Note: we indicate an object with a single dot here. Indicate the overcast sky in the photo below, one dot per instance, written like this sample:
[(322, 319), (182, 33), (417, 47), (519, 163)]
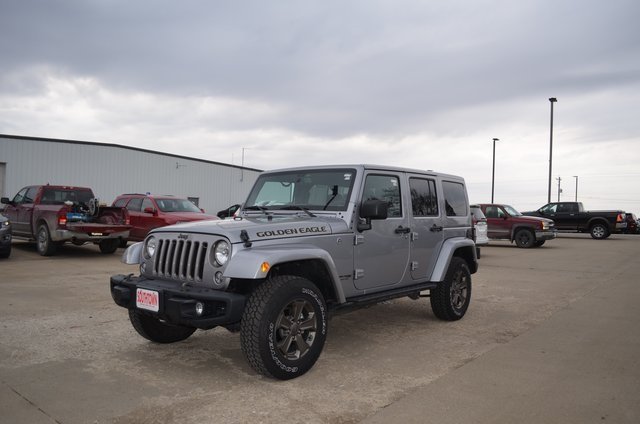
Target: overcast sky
[(424, 84)]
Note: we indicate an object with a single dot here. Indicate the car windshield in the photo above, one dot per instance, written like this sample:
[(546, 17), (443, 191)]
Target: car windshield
[(323, 189), (511, 211), (177, 205)]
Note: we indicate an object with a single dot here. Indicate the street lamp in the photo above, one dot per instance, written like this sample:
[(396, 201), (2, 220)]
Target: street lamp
[(576, 177), (493, 171), (552, 100)]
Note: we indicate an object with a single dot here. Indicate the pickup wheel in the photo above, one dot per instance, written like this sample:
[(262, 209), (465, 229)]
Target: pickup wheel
[(151, 328), (284, 327), (108, 246), (450, 300), (44, 244), (524, 238), (599, 231)]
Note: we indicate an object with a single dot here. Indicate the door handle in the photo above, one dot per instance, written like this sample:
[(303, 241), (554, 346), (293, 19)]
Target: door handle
[(402, 230), (435, 228)]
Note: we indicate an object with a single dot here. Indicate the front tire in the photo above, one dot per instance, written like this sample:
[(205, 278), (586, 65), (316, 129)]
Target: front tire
[(524, 238), (599, 231), (151, 328), (284, 327), (450, 300), (44, 244)]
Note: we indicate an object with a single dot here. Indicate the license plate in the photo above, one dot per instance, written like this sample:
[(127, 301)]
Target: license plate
[(148, 299)]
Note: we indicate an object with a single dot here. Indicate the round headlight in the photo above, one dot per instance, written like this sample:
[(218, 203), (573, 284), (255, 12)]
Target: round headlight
[(150, 246), (221, 252)]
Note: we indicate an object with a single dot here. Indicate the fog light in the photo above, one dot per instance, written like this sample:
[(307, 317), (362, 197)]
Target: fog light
[(218, 278), (199, 308)]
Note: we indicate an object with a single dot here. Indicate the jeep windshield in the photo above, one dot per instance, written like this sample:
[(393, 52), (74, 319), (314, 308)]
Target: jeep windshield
[(317, 190)]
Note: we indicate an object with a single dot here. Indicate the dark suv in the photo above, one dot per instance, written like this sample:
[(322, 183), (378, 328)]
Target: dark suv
[(148, 212)]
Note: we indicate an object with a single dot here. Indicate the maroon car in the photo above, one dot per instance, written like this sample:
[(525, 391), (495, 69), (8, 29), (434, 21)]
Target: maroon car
[(148, 212), (507, 223)]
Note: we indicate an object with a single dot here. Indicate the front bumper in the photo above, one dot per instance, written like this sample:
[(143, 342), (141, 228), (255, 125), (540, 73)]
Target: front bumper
[(177, 303), (546, 235)]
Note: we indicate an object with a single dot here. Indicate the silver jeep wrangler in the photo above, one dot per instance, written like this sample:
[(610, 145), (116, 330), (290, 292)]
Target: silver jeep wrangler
[(307, 243)]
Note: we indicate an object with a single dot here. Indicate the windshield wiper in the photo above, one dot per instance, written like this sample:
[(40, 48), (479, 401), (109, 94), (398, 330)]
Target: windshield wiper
[(298, 208), (257, 208)]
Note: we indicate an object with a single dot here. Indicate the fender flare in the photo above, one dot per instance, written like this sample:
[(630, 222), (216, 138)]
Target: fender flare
[(247, 263), (448, 250)]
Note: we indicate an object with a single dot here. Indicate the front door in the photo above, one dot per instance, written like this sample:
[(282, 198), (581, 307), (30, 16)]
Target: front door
[(498, 225), (381, 254)]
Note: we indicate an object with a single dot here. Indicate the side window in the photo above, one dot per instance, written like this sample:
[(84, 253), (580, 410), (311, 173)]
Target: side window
[(424, 201), (18, 197), (120, 202), (492, 212), (384, 187), (550, 208), (455, 199), (31, 194), (135, 204), (147, 203)]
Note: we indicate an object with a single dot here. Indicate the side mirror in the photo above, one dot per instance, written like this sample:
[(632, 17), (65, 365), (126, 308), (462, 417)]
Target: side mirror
[(5, 200), (372, 209), (151, 211)]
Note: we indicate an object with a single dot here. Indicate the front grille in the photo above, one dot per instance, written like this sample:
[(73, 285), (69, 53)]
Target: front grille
[(180, 259)]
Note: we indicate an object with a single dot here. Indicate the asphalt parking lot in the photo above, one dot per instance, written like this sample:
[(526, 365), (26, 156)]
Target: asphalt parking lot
[(550, 336)]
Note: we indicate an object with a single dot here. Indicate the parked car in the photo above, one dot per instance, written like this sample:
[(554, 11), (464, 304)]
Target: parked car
[(52, 215), (571, 216), (229, 212), (480, 228), (506, 223), (632, 224), (149, 211), (5, 237)]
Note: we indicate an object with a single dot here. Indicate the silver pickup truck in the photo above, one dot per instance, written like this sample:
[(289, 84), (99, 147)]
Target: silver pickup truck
[(308, 242)]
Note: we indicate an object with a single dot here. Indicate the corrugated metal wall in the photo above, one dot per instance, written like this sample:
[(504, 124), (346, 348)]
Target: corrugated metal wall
[(111, 170)]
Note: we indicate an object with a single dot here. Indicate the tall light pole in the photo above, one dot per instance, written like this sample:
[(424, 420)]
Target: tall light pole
[(552, 100), (493, 171), (576, 177)]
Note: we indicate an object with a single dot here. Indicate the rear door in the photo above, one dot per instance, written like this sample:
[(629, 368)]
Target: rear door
[(426, 226), (498, 225), (381, 254)]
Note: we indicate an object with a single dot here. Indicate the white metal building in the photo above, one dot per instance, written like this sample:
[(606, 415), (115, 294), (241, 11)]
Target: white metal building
[(112, 169)]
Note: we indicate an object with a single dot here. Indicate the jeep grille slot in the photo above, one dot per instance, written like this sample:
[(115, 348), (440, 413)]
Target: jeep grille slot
[(180, 260)]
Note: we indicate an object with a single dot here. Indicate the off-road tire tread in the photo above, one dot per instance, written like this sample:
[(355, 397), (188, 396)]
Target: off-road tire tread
[(440, 296)]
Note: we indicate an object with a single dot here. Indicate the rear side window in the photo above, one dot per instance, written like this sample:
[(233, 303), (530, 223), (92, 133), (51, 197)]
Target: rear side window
[(135, 204), (424, 201), (455, 199)]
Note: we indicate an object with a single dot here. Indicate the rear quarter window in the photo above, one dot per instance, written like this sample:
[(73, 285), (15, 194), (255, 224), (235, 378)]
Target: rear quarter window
[(455, 199)]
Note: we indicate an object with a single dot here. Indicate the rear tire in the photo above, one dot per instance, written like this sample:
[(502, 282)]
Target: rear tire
[(284, 327), (151, 328), (44, 244), (599, 231), (108, 246), (524, 238), (450, 300)]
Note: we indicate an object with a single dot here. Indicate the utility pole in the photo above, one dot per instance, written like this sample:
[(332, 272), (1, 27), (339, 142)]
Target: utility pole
[(493, 172), (552, 100), (576, 177), (559, 189)]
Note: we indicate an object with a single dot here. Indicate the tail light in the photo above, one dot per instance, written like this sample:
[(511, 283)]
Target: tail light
[(62, 218), (620, 218), (127, 218)]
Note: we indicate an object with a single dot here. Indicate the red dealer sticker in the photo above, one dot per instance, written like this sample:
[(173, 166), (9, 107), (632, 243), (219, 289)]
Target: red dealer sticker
[(148, 299)]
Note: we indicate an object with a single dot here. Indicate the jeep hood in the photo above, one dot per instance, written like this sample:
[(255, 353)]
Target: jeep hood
[(262, 227)]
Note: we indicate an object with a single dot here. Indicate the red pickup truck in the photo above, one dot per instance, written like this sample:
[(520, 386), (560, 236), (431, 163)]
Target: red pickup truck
[(52, 215), (506, 223)]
